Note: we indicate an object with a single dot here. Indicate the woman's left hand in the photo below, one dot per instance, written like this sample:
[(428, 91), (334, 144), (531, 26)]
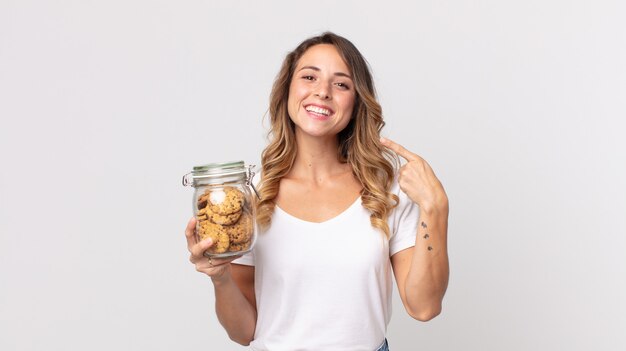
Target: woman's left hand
[(417, 179)]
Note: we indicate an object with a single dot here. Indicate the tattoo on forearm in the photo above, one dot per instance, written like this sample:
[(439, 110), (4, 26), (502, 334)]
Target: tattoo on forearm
[(426, 236)]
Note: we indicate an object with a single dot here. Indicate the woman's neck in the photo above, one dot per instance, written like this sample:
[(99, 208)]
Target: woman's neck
[(316, 159)]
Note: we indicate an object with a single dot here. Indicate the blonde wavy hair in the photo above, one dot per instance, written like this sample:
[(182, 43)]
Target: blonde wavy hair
[(359, 143)]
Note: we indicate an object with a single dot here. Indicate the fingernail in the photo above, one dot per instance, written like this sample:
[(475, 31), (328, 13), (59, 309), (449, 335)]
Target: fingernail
[(383, 140)]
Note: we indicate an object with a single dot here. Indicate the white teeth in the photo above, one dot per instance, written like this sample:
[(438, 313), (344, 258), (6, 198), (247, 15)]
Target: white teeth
[(319, 110)]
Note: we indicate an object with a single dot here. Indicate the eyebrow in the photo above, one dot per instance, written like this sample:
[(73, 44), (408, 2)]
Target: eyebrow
[(340, 74)]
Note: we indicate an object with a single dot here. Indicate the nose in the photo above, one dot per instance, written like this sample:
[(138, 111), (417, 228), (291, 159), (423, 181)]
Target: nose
[(322, 92), (322, 96)]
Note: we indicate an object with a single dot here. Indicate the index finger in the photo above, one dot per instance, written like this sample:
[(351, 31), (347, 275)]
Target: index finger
[(190, 232), (399, 149)]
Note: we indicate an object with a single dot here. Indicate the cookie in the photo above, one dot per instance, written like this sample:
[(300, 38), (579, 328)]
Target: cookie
[(201, 215), (241, 231), (226, 201), (203, 200), (227, 219), (239, 247), (218, 235)]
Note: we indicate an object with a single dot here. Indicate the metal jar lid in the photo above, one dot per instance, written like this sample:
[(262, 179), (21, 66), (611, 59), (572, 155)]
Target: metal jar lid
[(234, 171)]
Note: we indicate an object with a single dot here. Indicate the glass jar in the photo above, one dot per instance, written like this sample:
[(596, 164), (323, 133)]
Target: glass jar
[(224, 206)]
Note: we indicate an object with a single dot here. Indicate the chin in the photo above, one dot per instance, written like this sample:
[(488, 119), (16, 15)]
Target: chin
[(316, 133)]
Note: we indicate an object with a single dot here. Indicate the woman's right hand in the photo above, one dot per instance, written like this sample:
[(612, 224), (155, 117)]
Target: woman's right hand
[(216, 268)]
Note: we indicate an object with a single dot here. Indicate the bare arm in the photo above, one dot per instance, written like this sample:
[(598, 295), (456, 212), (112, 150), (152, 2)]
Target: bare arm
[(234, 288), (422, 271), (234, 311)]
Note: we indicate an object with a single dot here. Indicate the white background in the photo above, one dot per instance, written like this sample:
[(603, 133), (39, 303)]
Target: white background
[(519, 106)]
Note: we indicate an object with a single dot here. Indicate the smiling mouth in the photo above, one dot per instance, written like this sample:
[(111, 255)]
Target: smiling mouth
[(318, 110)]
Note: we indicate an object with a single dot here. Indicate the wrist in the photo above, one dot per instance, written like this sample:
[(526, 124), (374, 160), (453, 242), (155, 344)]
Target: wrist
[(438, 207), (220, 280)]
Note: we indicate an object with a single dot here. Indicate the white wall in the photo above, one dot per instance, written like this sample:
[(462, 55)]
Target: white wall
[(518, 106)]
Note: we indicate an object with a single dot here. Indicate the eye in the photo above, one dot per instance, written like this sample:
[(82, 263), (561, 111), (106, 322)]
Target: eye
[(308, 77), (343, 86)]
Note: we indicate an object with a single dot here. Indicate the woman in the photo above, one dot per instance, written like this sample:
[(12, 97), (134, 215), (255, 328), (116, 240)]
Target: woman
[(336, 217)]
